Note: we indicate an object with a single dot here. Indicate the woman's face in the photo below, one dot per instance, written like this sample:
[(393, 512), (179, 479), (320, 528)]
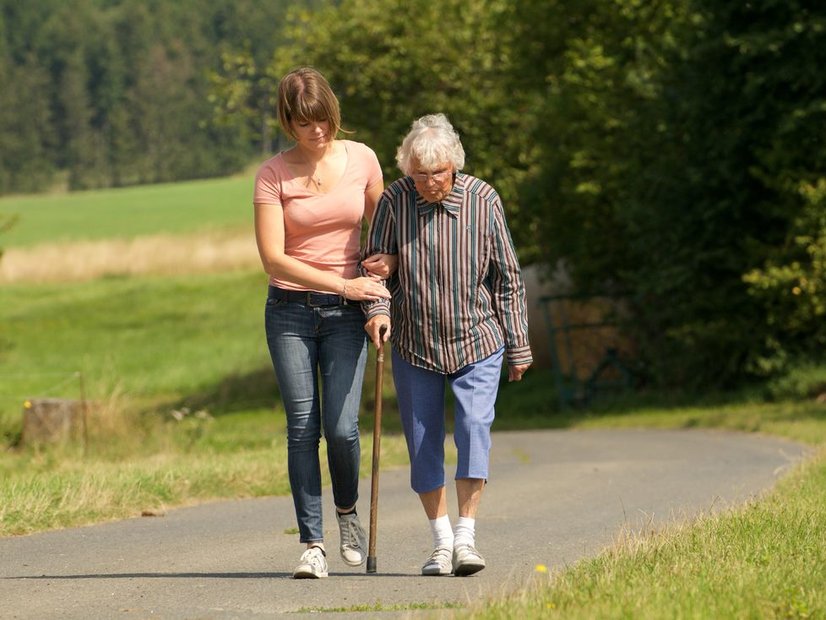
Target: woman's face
[(433, 185), (312, 134)]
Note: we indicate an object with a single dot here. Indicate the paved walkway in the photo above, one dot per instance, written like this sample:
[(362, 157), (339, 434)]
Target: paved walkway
[(554, 497)]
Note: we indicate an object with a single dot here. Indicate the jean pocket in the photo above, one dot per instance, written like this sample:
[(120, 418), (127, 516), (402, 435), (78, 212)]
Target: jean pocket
[(272, 302)]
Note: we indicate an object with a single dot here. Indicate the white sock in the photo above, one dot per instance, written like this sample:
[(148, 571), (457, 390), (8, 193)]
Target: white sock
[(442, 532), (465, 531)]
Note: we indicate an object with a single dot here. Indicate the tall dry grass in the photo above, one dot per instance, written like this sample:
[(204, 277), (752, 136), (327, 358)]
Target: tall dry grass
[(149, 255)]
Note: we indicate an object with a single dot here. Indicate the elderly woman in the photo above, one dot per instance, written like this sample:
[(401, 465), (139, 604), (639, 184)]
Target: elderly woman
[(458, 308)]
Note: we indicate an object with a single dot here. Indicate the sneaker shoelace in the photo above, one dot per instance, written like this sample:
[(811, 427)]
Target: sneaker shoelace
[(314, 557), (466, 549), (441, 556), (350, 532)]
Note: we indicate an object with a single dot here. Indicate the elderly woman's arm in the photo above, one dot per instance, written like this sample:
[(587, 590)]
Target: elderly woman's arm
[(379, 264), (381, 243), (382, 265), (509, 296)]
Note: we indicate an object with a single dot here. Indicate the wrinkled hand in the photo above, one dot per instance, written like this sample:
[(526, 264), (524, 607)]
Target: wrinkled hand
[(382, 265), (368, 288), (515, 372), (373, 329)]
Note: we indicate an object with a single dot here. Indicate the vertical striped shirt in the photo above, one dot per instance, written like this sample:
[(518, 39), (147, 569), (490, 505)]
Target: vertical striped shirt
[(458, 295)]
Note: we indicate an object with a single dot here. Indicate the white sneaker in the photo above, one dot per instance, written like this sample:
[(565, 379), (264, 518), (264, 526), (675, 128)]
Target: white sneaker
[(466, 560), (313, 564), (353, 539), (439, 563)]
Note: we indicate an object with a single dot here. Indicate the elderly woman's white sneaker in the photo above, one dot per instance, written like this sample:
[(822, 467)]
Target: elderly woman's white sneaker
[(466, 560), (439, 563), (313, 564)]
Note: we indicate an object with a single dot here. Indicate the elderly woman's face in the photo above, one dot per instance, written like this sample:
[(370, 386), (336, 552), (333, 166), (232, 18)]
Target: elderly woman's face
[(433, 185)]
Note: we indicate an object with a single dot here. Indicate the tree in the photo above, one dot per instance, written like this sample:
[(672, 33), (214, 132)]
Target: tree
[(676, 149), (116, 92), (243, 98), (25, 127), (392, 61)]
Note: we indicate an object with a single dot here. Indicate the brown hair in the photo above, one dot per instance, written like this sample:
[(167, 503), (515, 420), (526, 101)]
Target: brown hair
[(305, 95)]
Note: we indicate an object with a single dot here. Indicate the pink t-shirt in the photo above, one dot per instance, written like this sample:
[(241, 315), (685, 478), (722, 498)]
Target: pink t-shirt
[(321, 230)]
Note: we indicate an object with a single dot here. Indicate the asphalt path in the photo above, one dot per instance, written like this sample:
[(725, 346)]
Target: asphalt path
[(554, 497)]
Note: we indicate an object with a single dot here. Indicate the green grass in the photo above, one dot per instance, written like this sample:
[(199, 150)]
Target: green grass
[(65, 491), (163, 338), (183, 403), (192, 206), (195, 341), (766, 560), (531, 404)]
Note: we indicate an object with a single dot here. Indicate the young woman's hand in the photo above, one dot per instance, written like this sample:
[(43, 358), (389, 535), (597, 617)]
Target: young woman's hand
[(368, 288)]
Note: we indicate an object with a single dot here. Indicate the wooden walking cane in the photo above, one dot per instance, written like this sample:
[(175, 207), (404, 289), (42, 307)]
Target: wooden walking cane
[(374, 481)]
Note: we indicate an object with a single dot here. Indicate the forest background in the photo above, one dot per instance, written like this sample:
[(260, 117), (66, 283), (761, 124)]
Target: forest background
[(671, 152)]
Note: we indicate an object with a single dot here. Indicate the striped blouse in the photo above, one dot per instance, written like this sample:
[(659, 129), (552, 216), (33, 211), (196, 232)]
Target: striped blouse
[(458, 295)]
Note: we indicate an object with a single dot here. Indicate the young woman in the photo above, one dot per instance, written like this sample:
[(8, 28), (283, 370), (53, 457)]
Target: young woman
[(310, 201)]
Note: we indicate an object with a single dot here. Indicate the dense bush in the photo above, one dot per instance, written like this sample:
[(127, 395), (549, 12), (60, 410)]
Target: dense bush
[(682, 161)]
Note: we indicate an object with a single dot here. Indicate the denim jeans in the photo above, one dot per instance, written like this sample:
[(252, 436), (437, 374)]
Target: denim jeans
[(319, 354)]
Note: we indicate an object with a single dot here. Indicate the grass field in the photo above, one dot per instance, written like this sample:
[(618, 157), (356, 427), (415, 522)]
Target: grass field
[(184, 403), (147, 336), (766, 560), (184, 409), (187, 207)]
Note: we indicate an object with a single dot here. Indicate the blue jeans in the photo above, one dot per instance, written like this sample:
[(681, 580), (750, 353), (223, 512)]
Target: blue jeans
[(319, 354), (420, 394)]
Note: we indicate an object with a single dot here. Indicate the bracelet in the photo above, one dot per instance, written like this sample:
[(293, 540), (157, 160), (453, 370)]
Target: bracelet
[(344, 289)]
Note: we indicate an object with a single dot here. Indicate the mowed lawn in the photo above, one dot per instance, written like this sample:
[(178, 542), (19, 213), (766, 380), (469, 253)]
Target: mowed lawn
[(130, 212), (138, 336)]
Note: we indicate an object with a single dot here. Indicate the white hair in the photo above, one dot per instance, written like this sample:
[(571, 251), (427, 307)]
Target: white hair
[(431, 142)]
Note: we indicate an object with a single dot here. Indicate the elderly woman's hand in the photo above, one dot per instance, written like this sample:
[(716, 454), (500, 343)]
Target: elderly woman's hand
[(515, 372), (382, 265), (374, 327)]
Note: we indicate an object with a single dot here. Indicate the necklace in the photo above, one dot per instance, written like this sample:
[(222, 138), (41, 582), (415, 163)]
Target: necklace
[(313, 176)]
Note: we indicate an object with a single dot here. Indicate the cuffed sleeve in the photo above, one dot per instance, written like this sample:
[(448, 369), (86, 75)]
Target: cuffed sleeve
[(381, 239), (508, 287)]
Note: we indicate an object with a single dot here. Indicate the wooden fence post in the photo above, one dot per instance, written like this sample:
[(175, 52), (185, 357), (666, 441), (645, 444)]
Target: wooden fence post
[(50, 420)]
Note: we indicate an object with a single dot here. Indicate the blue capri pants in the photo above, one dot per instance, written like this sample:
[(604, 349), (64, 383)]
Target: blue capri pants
[(421, 399)]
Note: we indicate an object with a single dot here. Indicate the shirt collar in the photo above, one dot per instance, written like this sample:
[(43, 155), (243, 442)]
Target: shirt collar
[(452, 203)]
